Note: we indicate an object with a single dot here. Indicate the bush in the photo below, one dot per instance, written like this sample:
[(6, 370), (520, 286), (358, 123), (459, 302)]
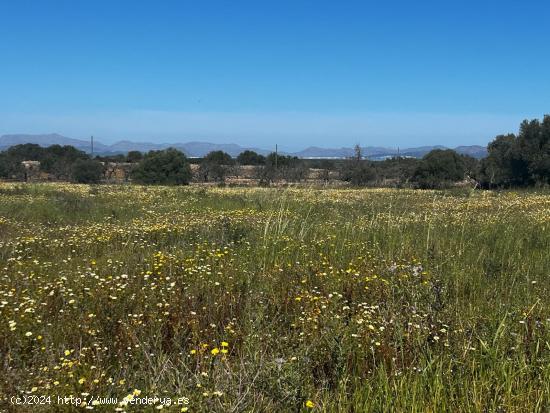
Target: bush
[(134, 156), (219, 158), (439, 169), (289, 168), (86, 171), (60, 160), (214, 166), (166, 167), (250, 158), (56, 160), (358, 172)]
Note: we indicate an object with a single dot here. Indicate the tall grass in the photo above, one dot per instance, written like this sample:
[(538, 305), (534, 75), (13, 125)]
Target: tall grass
[(261, 300)]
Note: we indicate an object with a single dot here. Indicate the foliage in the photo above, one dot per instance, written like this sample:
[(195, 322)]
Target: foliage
[(59, 160), (219, 158), (250, 158), (439, 169), (512, 161), (87, 171), (397, 171), (213, 166), (134, 156), (111, 158), (521, 160), (286, 167), (54, 159), (166, 167), (357, 171)]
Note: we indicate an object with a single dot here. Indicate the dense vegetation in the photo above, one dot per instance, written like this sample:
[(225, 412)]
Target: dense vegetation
[(275, 300), (167, 167), (214, 166), (63, 162), (87, 171), (441, 168), (250, 158), (512, 161), (520, 160)]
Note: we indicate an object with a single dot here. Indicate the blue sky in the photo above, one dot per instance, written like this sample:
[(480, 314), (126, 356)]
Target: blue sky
[(296, 73)]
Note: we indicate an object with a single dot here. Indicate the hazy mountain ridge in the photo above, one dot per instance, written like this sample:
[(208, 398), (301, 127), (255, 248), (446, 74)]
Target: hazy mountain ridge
[(48, 139), (199, 149)]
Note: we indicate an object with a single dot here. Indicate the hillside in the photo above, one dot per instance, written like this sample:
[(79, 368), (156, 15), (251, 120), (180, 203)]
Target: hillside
[(199, 149)]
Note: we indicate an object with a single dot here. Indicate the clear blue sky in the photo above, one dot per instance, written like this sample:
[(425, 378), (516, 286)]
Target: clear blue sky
[(394, 73)]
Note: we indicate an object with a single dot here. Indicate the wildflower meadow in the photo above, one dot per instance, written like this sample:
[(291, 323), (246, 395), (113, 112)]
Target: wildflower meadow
[(145, 298)]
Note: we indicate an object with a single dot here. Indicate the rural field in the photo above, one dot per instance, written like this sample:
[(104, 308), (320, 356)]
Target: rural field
[(273, 300)]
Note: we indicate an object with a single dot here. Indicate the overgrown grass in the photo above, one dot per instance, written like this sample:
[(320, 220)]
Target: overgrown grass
[(260, 300)]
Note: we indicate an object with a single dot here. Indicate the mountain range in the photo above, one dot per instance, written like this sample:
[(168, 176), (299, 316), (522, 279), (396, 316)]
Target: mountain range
[(199, 149)]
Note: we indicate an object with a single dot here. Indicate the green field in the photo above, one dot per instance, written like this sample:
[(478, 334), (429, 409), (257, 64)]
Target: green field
[(275, 300)]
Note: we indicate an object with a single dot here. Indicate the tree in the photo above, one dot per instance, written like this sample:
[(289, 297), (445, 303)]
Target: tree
[(357, 171), (289, 168), (250, 158), (118, 158), (166, 167), (219, 157), (440, 168), (60, 159), (533, 149), (86, 171), (13, 156), (397, 171), (4, 167), (325, 165), (214, 166), (357, 155), (520, 160), (134, 156), (497, 167), (27, 152), (539, 164), (55, 159)]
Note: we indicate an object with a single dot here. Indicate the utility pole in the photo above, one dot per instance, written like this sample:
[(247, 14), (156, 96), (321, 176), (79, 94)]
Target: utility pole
[(399, 163), (92, 145), (276, 156)]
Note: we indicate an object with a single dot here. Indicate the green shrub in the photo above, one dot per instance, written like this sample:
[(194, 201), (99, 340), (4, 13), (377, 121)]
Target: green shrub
[(166, 167), (86, 171)]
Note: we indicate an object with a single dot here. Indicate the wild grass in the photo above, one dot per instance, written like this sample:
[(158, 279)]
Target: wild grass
[(275, 300)]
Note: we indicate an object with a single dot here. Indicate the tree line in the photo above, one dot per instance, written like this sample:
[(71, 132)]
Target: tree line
[(520, 160), (63, 162), (513, 161)]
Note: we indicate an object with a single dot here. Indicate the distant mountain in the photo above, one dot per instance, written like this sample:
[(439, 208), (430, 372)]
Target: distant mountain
[(419, 152), (127, 146), (316, 152), (378, 153), (193, 149), (475, 151), (199, 149), (47, 140)]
